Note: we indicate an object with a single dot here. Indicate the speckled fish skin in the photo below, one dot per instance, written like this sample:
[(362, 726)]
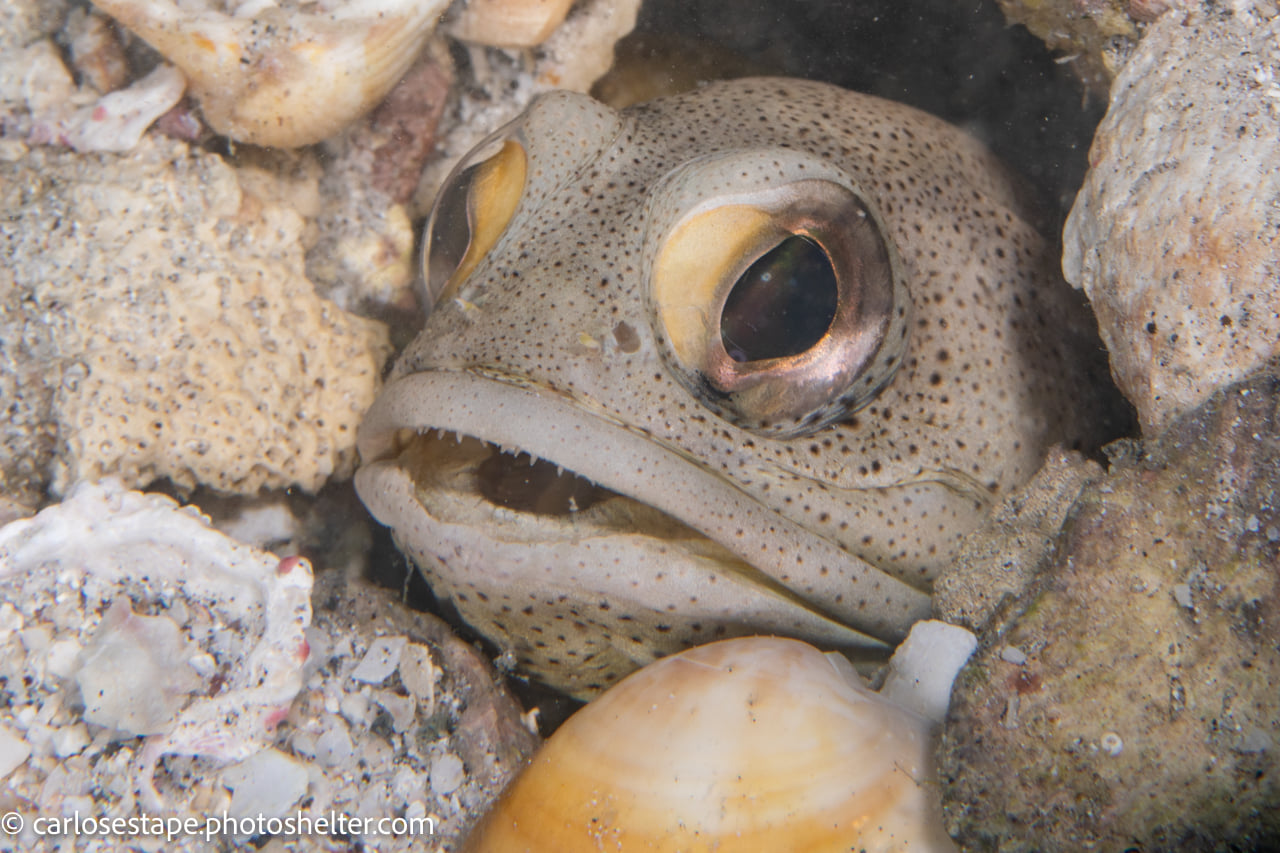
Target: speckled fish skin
[(551, 347)]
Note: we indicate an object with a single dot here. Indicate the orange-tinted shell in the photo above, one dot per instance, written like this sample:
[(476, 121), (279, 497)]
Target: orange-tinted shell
[(750, 744), (509, 23)]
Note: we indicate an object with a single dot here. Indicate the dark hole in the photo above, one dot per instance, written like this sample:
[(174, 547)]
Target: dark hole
[(527, 484), (450, 230), (782, 305)]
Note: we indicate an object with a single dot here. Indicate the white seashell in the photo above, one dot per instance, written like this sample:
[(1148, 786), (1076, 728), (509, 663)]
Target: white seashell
[(509, 23), (924, 666), (267, 74), (750, 744)]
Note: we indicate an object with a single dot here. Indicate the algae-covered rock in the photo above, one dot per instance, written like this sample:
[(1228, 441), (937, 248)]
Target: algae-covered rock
[(1142, 705)]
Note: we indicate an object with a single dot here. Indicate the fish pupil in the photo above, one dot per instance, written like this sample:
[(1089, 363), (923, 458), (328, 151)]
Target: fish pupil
[(782, 305)]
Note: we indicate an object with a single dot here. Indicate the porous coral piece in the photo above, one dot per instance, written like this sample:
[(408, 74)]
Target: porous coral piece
[(1136, 686), (1176, 234), (157, 323)]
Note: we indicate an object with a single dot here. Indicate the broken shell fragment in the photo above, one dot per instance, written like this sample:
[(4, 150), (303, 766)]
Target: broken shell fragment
[(268, 74), (750, 744), (509, 23)]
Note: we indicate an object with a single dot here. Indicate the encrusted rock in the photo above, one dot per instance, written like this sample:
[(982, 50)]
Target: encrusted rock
[(1136, 687), (999, 559), (155, 321), (1175, 235)]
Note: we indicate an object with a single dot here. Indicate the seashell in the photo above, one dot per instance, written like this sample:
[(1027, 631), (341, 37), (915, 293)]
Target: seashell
[(509, 23), (751, 744), (267, 75)]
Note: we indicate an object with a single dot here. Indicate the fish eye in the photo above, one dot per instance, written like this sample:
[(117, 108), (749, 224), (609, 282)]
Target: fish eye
[(782, 306), (471, 212)]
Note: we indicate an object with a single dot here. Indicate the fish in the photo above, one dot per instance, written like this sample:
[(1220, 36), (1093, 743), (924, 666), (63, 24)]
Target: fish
[(751, 359)]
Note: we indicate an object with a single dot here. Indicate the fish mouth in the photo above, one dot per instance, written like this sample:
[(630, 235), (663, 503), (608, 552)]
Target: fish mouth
[(464, 480), (515, 485), (512, 480)]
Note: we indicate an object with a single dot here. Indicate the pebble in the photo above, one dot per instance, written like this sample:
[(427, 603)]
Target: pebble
[(1013, 655), (401, 709), (418, 674), (333, 748), (382, 659), (447, 774), (14, 750), (70, 740), (267, 783)]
